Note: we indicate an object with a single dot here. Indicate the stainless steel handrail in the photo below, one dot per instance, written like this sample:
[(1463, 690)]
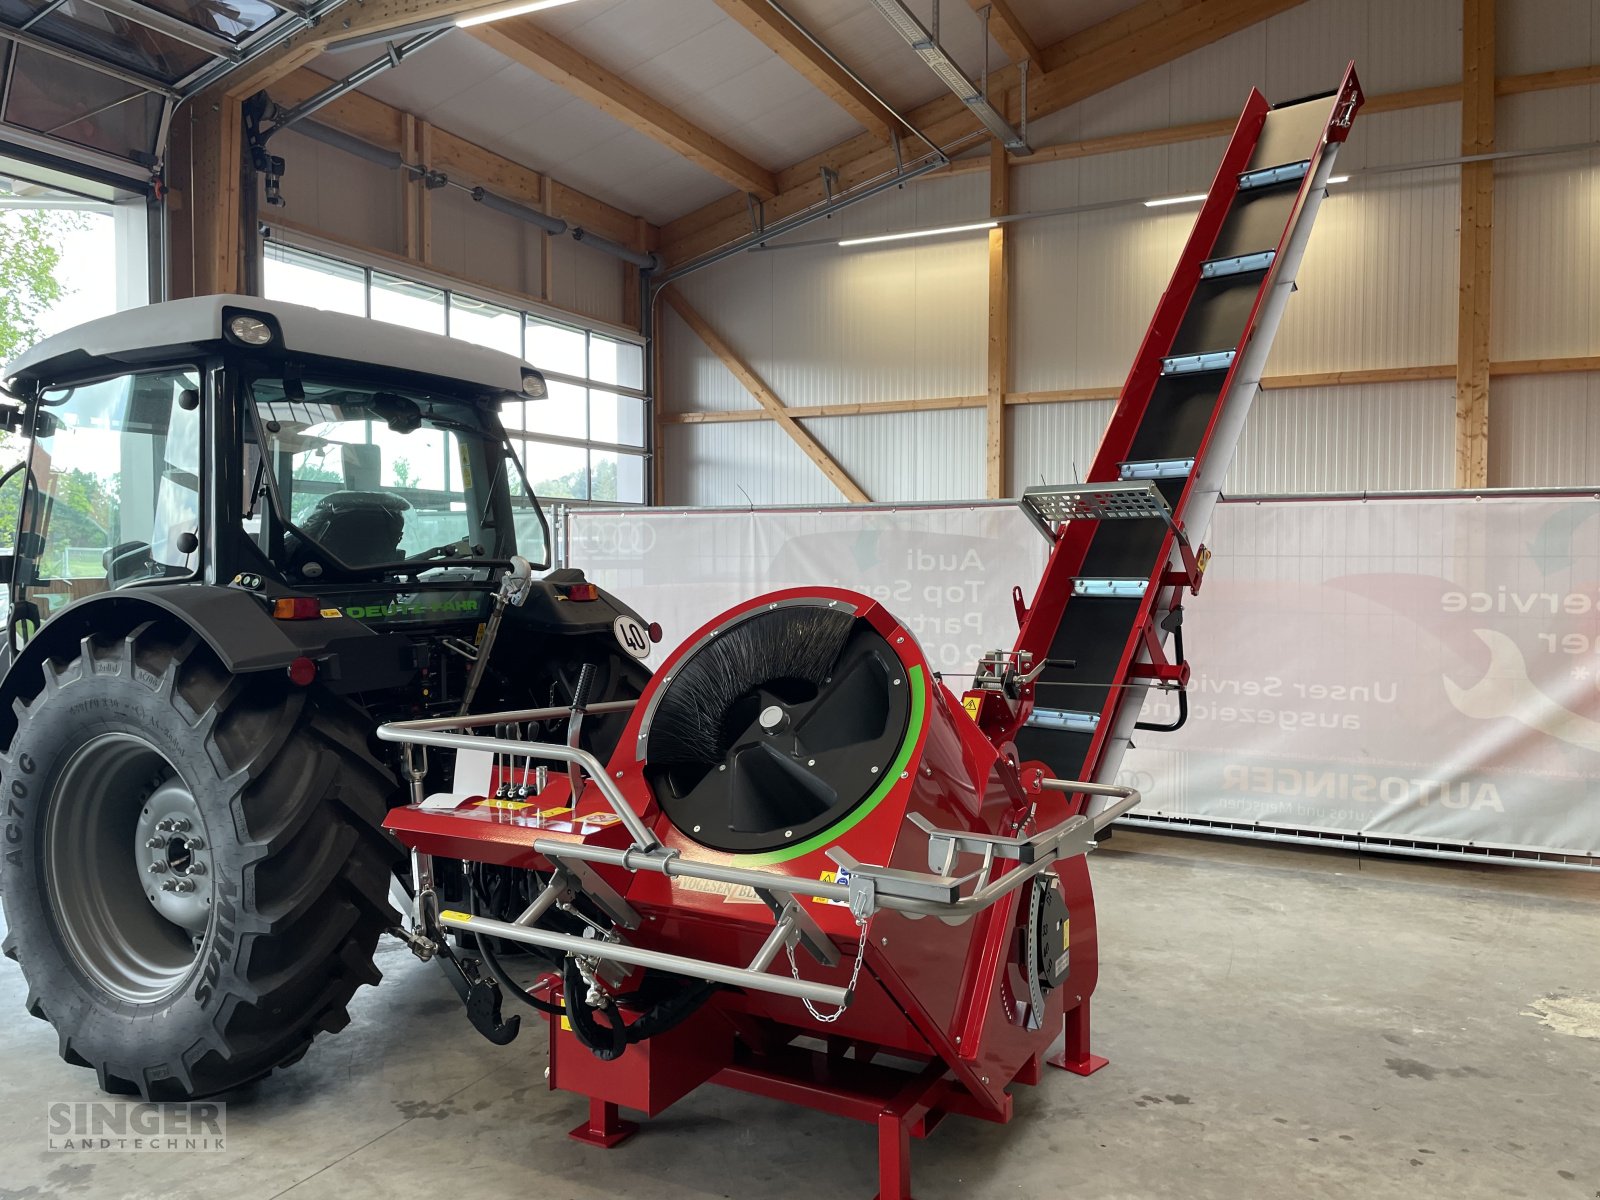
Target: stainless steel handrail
[(870, 889), (591, 766)]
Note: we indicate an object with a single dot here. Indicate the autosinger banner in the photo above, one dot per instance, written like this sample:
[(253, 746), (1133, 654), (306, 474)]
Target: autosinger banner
[(1422, 669)]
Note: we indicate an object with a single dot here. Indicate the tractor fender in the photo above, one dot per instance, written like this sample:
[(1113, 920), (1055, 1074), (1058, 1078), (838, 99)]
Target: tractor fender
[(235, 625)]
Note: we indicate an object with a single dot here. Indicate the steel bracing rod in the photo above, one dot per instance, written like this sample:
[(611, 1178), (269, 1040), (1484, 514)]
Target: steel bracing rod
[(396, 55), (775, 940), (637, 956), (935, 161), (513, 717), (855, 78), (592, 766)]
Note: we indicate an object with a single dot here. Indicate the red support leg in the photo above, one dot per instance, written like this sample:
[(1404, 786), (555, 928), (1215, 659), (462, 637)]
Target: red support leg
[(1075, 1056), (605, 1127), (894, 1157)]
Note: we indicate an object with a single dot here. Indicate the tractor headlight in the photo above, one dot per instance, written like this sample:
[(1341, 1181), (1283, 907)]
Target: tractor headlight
[(533, 386), (252, 331)]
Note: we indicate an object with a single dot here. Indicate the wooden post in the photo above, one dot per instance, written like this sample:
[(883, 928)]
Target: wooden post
[(207, 175), (410, 191), (999, 323), (1476, 244), (424, 149)]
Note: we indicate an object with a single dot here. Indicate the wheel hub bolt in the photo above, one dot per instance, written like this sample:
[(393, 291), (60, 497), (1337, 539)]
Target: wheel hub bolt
[(196, 869), (195, 843), (158, 867), (173, 824), (177, 885), (156, 843)]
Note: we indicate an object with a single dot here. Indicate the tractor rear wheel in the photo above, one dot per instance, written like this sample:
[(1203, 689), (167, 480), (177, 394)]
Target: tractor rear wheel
[(196, 872)]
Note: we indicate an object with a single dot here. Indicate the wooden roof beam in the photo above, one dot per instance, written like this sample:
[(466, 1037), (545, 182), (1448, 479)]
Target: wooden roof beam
[(816, 67), (403, 18), (526, 43), (1009, 33), (1123, 47)]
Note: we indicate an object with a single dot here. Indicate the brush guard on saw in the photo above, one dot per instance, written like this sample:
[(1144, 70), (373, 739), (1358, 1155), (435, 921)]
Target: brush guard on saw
[(1007, 864)]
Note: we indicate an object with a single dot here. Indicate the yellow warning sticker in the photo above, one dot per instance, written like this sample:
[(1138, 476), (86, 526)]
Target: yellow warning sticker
[(972, 704), (1066, 933), (451, 914), (554, 812), (333, 612), (511, 804), (602, 819), (842, 875), (566, 1025)]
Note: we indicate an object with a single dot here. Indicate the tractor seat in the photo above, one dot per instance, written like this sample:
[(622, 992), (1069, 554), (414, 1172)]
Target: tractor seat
[(360, 529)]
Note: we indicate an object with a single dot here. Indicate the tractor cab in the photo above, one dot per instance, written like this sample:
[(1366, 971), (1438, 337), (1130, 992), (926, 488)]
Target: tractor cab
[(229, 439)]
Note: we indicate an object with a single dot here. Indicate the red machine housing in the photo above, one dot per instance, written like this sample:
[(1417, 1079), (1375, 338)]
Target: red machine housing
[(945, 1010)]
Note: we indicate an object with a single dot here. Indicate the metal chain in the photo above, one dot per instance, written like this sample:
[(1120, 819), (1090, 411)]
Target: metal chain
[(855, 973)]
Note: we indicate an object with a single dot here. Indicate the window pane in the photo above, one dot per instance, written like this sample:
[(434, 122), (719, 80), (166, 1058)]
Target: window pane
[(232, 19), (118, 40), (557, 348), (616, 477), (53, 96), (611, 361), (301, 278), (485, 324), (557, 472), (561, 414), (118, 474), (614, 418), (414, 305)]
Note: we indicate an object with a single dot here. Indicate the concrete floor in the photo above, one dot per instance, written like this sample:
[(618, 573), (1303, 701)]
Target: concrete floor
[(1280, 1023)]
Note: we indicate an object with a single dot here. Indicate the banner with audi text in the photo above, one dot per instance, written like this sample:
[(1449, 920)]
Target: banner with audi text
[(1421, 669)]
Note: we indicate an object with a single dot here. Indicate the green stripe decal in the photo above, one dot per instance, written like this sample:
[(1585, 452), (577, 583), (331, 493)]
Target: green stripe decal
[(919, 709)]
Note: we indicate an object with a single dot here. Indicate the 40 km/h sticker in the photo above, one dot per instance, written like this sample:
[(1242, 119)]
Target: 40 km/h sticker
[(632, 636)]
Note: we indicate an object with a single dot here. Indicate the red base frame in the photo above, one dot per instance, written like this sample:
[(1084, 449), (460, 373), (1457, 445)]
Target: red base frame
[(902, 1103)]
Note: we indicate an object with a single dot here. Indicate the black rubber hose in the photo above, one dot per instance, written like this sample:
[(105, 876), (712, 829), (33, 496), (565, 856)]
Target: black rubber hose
[(510, 986), (605, 1042)]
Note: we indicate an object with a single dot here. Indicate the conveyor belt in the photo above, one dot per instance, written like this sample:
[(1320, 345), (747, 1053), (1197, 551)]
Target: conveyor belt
[(1176, 425)]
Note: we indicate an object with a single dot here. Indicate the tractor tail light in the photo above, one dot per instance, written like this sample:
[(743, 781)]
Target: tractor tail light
[(583, 591), (302, 672), (296, 608)]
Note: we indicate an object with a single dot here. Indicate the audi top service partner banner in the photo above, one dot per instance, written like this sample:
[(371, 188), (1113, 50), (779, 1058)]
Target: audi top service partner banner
[(1424, 669)]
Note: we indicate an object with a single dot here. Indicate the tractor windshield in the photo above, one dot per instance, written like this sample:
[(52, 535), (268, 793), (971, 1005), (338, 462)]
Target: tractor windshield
[(367, 479)]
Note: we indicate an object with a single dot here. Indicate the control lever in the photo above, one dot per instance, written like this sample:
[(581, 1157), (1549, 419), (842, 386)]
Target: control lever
[(514, 587), (580, 701)]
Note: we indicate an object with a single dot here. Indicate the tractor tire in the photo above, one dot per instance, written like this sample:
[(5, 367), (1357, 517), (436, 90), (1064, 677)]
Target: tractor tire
[(196, 873)]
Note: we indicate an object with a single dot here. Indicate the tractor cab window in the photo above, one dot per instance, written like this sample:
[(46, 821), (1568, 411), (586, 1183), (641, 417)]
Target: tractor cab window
[(351, 477), (112, 495)]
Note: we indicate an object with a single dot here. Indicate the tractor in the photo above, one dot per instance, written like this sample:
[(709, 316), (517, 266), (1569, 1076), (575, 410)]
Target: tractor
[(242, 535)]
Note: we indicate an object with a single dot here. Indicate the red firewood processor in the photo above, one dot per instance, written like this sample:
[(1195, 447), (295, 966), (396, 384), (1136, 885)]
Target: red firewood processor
[(809, 870)]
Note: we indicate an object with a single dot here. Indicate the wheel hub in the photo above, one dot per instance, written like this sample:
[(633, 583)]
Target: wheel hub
[(174, 856), (128, 867)]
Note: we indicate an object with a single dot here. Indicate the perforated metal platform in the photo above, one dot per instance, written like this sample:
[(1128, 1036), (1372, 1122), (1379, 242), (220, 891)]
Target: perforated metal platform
[(1051, 505)]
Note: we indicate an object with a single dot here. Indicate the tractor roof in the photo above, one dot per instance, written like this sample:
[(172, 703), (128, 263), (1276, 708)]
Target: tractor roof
[(142, 334)]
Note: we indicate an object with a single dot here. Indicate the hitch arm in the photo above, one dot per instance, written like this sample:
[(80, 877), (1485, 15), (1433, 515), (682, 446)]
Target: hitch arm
[(480, 995)]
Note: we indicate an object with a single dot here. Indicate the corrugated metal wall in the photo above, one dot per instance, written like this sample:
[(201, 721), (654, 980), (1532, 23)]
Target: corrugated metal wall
[(825, 325)]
